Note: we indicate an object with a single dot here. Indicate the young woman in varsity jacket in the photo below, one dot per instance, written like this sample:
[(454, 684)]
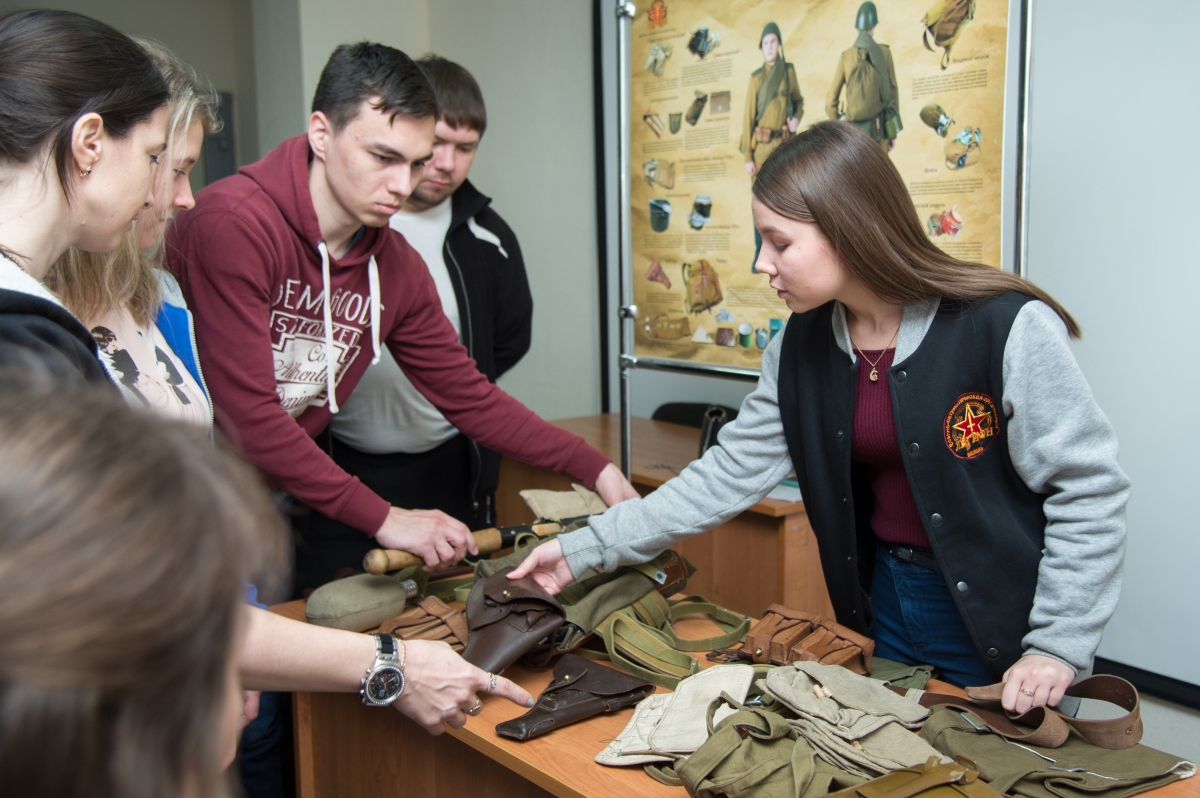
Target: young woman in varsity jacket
[(961, 481)]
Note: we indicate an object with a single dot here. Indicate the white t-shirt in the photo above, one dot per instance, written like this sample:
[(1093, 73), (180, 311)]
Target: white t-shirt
[(386, 413), (147, 370)]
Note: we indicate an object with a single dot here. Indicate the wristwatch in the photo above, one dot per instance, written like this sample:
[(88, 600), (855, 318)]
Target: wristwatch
[(384, 681)]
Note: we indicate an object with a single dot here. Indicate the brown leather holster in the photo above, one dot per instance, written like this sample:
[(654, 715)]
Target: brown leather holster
[(507, 618), (580, 690), (783, 636)]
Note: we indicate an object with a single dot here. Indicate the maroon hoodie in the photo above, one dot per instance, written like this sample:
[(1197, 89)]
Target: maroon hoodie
[(249, 259)]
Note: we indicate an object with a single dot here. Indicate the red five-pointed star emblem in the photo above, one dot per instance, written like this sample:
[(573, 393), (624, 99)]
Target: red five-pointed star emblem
[(971, 425)]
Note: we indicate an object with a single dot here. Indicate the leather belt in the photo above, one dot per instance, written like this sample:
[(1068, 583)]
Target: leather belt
[(914, 556)]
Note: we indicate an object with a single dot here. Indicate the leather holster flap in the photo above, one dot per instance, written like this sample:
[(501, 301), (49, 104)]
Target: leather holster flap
[(507, 618), (580, 690)]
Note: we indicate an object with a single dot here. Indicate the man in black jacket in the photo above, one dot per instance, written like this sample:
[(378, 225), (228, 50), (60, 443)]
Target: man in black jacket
[(387, 434)]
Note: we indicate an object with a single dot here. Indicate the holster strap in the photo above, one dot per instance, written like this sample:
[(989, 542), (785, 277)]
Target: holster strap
[(1050, 726)]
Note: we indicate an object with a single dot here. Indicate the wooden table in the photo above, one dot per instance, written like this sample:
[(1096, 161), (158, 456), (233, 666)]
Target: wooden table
[(765, 555), (345, 750)]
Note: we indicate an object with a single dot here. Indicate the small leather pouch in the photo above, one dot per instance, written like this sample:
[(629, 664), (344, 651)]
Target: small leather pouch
[(580, 690), (783, 636), (507, 618), (432, 619)]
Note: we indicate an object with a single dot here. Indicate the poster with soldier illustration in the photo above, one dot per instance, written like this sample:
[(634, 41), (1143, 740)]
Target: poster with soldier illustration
[(718, 85)]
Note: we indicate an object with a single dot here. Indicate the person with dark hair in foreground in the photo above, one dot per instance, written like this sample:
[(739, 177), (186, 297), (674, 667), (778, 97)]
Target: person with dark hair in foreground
[(297, 284), (389, 435), (961, 481), (119, 644)]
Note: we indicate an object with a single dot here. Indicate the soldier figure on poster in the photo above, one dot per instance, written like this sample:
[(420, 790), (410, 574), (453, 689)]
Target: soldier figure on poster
[(773, 107), (773, 102), (868, 74)]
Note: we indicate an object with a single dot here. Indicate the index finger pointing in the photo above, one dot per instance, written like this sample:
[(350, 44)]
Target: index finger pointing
[(506, 688)]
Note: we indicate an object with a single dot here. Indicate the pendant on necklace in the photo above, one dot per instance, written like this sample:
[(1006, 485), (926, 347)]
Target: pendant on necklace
[(874, 375)]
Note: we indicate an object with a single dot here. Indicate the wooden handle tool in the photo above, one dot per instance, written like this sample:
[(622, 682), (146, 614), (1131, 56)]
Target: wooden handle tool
[(489, 541)]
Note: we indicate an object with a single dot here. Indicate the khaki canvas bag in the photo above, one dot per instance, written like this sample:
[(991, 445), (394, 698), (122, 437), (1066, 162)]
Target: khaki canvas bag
[(944, 23), (703, 287), (864, 100)]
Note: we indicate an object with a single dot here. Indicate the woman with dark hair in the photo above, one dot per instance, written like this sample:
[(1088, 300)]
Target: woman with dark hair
[(83, 121), (960, 479)]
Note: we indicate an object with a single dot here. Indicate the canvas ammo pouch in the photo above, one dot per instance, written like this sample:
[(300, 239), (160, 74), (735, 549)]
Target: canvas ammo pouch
[(783, 636), (933, 779)]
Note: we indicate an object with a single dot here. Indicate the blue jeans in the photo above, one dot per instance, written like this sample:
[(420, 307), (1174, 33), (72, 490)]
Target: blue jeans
[(917, 621)]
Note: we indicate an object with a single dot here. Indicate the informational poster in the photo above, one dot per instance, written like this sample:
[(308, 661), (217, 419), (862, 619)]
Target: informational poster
[(719, 84)]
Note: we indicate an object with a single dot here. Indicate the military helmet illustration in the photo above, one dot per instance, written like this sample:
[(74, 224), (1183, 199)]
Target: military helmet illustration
[(868, 17), (771, 27)]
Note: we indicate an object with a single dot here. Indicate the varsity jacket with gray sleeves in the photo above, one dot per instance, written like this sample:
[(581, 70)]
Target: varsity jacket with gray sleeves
[(1060, 444)]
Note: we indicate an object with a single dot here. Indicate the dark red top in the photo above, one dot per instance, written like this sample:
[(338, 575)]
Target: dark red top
[(874, 444)]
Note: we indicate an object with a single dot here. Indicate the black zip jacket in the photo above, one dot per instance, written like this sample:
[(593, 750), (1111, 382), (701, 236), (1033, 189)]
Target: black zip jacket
[(39, 337), (495, 307)]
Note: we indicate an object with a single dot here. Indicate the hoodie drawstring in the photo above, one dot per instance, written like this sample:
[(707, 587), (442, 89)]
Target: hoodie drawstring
[(373, 281), (330, 386)]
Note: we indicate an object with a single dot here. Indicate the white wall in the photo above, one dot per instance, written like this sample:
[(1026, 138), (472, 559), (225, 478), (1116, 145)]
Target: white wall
[(278, 72), (214, 36), (533, 60), (1113, 204), (403, 24)]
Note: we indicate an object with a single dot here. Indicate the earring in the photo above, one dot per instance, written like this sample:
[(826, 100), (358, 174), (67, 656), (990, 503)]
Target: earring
[(85, 173)]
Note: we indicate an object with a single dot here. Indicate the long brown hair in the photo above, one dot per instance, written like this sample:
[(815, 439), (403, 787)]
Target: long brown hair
[(835, 176), (93, 283), (126, 543)]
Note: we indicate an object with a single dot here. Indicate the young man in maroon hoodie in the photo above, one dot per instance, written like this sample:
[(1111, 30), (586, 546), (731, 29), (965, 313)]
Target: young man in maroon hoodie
[(290, 267)]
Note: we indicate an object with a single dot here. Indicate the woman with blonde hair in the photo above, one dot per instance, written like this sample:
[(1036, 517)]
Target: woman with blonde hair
[(132, 305), (961, 481)]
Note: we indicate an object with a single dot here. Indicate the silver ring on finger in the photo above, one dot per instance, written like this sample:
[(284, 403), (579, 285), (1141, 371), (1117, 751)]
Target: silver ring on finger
[(491, 682), (475, 710)]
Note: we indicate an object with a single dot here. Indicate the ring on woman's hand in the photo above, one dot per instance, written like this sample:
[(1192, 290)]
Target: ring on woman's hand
[(1028, 693), (491, 682), (475, 710)]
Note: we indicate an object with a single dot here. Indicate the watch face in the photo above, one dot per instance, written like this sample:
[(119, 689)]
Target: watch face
[(385, 685)]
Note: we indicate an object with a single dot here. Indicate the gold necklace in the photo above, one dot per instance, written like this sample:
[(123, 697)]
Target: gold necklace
[(874, 375), (12, 256)]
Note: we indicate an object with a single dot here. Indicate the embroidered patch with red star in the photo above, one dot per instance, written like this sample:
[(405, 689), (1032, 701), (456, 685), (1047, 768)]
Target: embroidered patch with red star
[(657, 14), (971, 425)]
